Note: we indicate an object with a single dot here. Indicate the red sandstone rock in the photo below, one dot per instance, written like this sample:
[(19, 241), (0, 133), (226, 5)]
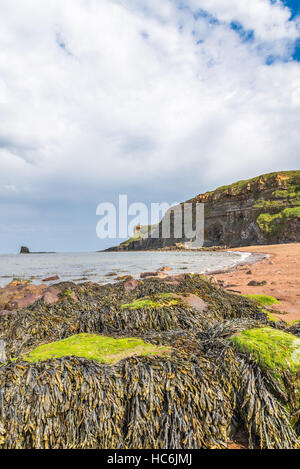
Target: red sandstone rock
[(23, 302), (51, 279), (149, 274), (165, 269), (197, 303), (179, 277), (131, 285), (20, 295), (51, 296)]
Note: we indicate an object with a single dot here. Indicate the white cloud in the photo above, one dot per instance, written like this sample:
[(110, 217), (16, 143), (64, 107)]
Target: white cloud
[(95, 95)]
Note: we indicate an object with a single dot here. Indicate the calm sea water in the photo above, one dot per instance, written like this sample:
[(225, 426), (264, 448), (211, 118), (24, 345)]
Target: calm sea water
[(80, 267)]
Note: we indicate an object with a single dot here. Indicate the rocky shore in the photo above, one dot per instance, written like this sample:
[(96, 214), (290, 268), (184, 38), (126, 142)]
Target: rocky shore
[(276, 275), (161, 362)]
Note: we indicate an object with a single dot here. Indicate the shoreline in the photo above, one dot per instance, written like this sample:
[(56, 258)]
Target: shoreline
[(252, 258), (279, 267), (274, 269)]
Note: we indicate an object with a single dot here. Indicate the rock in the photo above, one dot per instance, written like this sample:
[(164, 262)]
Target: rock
[(175, 279), (149, 274), (17, 283), (131, 285), (23, 302), (254, 283), (51, 279), (249, 272), (124, 277), (165, 269), (51, 296), (20, 295), (24, 250), (2, 351), (195, 301), (160, 275)]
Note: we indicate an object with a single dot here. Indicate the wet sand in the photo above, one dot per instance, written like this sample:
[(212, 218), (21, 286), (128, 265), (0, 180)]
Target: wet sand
[(281, 271)]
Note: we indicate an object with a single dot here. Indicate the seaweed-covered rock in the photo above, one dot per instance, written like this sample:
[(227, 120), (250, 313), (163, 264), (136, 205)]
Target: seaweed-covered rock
[(147, 368)]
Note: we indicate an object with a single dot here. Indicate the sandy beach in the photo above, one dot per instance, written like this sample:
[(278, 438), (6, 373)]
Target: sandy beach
[(280, 271)]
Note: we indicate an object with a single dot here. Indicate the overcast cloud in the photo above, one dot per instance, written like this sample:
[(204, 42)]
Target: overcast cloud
[(157, 99)]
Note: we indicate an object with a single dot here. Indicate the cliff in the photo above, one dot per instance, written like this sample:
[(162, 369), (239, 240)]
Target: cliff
[(262, 210)]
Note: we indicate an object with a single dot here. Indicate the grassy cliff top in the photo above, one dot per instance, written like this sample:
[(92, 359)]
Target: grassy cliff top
[(290, 177), (276, 180), (103, 349)]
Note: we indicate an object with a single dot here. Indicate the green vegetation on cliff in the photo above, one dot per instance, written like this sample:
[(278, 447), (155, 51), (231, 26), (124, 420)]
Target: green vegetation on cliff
[(283, 177), (94, 347), (273, 224)]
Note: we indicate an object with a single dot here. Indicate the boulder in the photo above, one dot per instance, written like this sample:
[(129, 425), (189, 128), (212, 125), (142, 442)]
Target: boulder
[(51, 296), (149, 274), (23, 302), (165, 269), (160, 275), (254, 283), (20, 295), (130, 285), (51, 279)]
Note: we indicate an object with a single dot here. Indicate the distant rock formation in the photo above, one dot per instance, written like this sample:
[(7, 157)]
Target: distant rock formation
[(25, 250), (262, 210)]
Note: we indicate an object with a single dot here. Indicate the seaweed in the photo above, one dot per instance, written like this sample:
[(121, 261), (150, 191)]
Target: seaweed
[(191, 386)]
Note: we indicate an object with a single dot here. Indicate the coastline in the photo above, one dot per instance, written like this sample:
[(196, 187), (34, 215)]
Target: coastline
[(251, 258), (275, 269)]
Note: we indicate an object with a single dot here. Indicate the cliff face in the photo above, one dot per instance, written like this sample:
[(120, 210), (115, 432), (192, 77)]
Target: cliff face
[(262, 210)]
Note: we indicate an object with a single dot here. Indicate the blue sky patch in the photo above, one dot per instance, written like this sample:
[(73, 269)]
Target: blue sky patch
[(245, 35), (293, 5), (206, 15), (61, 43), (296, 54)]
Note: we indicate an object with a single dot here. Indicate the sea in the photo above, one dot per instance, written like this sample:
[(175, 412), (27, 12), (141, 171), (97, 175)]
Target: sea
[(105, 267)]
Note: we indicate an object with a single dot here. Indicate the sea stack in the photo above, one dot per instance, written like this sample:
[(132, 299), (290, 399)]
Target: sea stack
[(24, 250)]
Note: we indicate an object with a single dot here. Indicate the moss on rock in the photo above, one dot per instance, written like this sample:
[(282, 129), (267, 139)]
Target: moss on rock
[(94, 347), (263, 300), (272, 348), (163, 300)]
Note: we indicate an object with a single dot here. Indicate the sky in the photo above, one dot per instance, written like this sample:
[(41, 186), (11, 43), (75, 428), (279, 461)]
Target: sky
[(160, 100)]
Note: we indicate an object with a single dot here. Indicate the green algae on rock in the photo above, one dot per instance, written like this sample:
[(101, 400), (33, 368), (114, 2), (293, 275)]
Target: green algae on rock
[(263, 300), (94, 347), (275, 349), (163, 300)]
